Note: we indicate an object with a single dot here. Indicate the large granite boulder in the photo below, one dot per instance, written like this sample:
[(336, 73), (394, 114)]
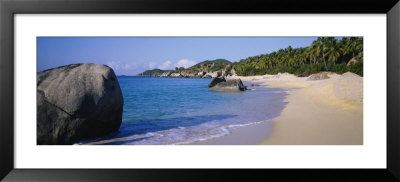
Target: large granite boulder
[(230, 85), (215, 81), (77, 101)]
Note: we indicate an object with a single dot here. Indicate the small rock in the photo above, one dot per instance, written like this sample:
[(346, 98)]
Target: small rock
[(318, 76), (215, 81), (232, 85), (355, 60)]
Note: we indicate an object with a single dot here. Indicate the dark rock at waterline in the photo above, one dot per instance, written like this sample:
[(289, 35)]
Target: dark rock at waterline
[(76, 102), (230, 85), (215, 81), (254, 85)]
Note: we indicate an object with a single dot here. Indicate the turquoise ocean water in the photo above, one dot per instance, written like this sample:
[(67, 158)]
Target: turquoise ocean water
[(184, 110)]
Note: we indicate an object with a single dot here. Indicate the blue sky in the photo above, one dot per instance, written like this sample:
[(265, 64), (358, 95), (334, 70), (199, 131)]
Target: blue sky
[(133, 55)]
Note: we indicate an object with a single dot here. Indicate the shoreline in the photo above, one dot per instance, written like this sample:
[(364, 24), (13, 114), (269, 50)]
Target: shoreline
[(318, 112), (228, 110)]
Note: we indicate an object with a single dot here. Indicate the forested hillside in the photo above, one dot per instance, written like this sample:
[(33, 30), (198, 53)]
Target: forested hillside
[(324, 54)]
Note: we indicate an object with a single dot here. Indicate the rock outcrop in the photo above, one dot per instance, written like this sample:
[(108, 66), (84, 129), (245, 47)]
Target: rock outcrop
[(318, 76), (354, 60), (178, 75), (77, 101), (185, 74), (226, 85), (165, 74), (215, 81), (205, 69), (201, 74)]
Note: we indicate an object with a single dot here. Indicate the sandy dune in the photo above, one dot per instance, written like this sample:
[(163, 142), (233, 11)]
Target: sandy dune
[(320, 112)]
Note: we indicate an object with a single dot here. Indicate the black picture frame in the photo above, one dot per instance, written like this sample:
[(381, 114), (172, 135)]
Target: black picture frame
[(9, 8)]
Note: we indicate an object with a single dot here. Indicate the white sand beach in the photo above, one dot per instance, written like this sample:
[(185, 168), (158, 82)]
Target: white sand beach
[(318, 112)]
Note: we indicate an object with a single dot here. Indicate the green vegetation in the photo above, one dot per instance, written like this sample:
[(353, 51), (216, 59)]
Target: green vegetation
[(356, 68), (153, 72), (211, 65), (205, 66), (179, 69), (216, 61), (324, 54)]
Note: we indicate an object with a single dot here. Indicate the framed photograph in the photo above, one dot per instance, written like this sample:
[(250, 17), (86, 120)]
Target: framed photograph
[(155, 90)]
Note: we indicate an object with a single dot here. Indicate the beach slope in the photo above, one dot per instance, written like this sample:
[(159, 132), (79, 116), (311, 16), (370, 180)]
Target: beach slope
[(319, 112)]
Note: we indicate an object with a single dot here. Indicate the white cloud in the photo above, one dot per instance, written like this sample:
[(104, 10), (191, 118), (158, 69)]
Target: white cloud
[(117, 65), (166, 65), (185, 63), (152, 65), (114, 65), (128, 66)]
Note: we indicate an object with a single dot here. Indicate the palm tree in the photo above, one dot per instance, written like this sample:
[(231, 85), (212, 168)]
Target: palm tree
[(359, 47), (354, 45), (301, 56), (332, 49), (311, 54), (344, 48), (316, 49), (321, 44)]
